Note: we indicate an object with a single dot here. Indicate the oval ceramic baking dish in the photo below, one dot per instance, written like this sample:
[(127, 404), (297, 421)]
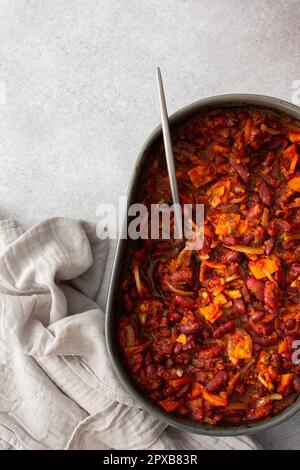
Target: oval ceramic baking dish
[(121, 260)]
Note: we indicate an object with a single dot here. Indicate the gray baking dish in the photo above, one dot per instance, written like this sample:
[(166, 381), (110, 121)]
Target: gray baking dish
[(121, 260)]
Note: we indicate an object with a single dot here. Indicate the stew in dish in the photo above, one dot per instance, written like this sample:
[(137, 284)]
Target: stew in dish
[(211, 334)]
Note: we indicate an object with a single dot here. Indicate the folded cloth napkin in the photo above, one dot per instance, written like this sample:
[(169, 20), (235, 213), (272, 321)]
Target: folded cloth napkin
[(57, 387)]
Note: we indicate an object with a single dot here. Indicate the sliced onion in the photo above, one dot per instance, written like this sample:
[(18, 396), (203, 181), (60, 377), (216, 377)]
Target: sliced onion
[(236, 405), (178, 291), (265, 400), (137, 279), (293, 236), (265, 217), (269, 275), (252, 250)]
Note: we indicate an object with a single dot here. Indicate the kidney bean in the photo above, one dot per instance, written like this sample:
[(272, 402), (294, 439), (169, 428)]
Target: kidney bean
[(265, 194), (174, 316), (287, 355), (239, 306), (290, 324), (296, 383), (192, 327), (185, 302), (230, 241), (223, 329), (280, 333), (178, 347), (247, 239), (242, 172), (277, 142), (257, 315), (220, 160), (219, 379), (181, 276), (283, 225), (151, 371), (210, 351), (231, 257), (256, 287), (272, 181), (183, 391), (264, 341), (206, 333), (269, 328), (245, 292), (291, 338), (262, 390), (271, 156), (205, 249), (280, 279), (254, 198), (255, 211), (271, 295), (287, 245), (272, 230), (269, 245)]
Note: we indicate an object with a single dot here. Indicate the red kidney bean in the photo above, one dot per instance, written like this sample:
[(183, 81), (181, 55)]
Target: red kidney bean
[(247, 239), (254, 198), (185, 302), (223, 329), (269, 328), (296, 383), (178, 347), (274, 182), (257, 315), (245, 292), (206, 333), (265, 194), (231, 257), (220, 160), (262, 390), (210, 351), (277, 142), (151, 371), (291, 338), (183, 391), (290, 324), (219, 379), (255, 211), (181, 276), (239, 306), (272, 230), (287, 355), (280, 279), (269, 245), (242, 171), (174, 316), (271, 156), (264, 341), (256, 287), (271, 295), (283, 225), (230, 241), (205, 249), (192, 327)]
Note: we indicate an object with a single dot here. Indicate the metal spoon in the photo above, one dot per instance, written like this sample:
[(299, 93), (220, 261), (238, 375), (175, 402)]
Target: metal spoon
[(169, 154)]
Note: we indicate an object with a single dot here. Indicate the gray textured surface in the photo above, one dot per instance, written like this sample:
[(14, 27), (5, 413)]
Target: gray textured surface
[(81, 93)]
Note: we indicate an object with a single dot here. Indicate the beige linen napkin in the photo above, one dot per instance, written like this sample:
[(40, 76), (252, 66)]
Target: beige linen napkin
[(57, 387)]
